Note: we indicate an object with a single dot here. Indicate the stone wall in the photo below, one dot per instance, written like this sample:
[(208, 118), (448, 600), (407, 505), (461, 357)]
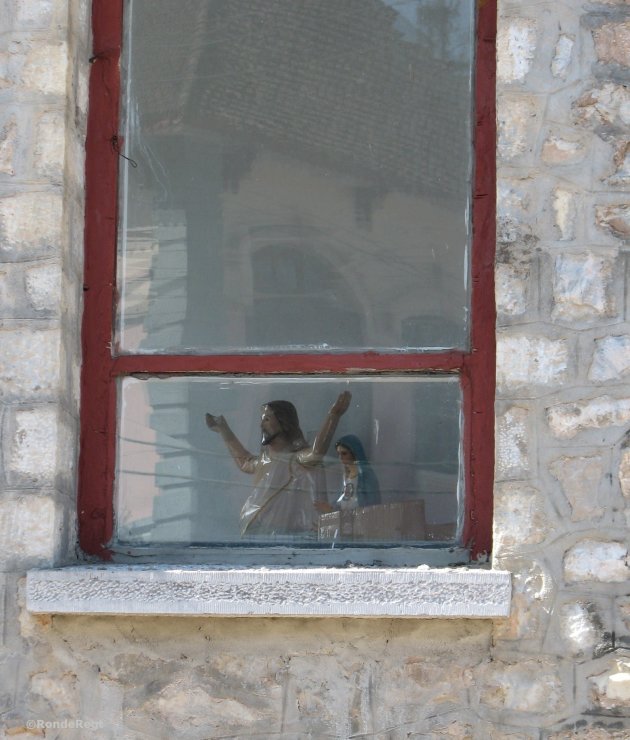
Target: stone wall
[(559, 667)]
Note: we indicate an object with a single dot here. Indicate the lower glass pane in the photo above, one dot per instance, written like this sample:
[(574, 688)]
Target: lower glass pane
[(317, 462)]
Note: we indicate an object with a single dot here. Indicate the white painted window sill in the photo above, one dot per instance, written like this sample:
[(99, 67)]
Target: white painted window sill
[(193, 590)]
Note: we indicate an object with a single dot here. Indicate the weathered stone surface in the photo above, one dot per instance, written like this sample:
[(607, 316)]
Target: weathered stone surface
[(516, 46), (512, 288), (595, 731), (611, 689), (31, 15), (8, 141), (565, 210), (526, 686), (532, 592), (513, 443), (519, 516), (568, 419), (615, 219), (29, 363), (29, 527), (513, 214), (45, 69), (517, 128), (30, 225), (607, 108), (612, 43), (624, 472), (525, 361), (595, 560), (580, 478), (562, 55), (611, 358), (582, 286), (50, 145), (32, 447), (581, 628), (43, 286), (560, 151)]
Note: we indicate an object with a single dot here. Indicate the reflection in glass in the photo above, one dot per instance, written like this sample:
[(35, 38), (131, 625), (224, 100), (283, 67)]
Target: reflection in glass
[(393, 453), (303, 178)]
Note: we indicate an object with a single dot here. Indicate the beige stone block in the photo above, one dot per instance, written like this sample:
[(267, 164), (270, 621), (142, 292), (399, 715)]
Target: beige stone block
[(28, 530), (518, 123), (29, 363), (612, 43), (32, 455), (558, 151), (42, 284), (580, 478), (562, 57), (568, 419), (514, 212), (580, 628), (50, 145), (46, 68), (30, 223), (611, 358), (527, 686), (595, 560), (615, 219), (525, 361), (519, 517), (608, 105), (513, 443), (516, 48), (582, 286), (532, 594), (8, 142)]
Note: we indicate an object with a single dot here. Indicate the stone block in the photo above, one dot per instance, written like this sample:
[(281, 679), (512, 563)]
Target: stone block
[(611, 358), (565, 210), (29, 364), (615, 219), (516, 48), (532, 592), (518, 123), (581, 628), (582, 286), (8, 143), (512, 433), (42, 285), (597, 561), (46, 69), (612, 43), (514, 214), (580, 478), (528, 686), (558, 150), (568, 419), (33, 14), (30, 225), (606, 108), (562, 56), (611, 688), (624, 472), (30, 442), (512, 287), (50, 145), (519, 517), (524, 361), (29, 528)]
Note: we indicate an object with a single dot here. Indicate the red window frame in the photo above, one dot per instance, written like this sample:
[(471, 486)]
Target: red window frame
[(101, 368)]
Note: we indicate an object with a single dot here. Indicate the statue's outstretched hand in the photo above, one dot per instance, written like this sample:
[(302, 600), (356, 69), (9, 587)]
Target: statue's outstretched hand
[(216, 423), (340, 406)]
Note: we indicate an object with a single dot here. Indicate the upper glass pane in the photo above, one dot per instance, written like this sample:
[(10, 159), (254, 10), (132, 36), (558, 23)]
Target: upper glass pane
[(302, 178)]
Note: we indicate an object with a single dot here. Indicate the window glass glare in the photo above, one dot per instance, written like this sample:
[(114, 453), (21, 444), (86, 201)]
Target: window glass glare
[(302, 178)]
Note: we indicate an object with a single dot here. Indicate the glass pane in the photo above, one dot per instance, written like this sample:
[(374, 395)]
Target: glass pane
[(300, 177), (389, 472)]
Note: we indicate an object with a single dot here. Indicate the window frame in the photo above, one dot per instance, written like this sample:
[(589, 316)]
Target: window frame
[(101, 369)]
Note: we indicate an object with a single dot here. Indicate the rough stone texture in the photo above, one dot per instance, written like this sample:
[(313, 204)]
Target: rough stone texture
[(553, 668), (524, 361), (580, 478), (582, 284), (568, 419), (593, 560)]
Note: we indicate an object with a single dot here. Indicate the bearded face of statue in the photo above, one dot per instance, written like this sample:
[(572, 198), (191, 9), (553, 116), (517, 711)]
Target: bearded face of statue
[(269, 426)]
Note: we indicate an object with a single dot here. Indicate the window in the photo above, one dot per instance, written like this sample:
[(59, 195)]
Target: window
[(283, 205)]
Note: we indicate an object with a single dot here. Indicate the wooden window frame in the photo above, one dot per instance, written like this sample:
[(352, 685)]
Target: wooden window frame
[(101, 369)]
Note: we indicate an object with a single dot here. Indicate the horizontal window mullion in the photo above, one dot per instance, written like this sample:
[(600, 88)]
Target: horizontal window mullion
[(369, 362)]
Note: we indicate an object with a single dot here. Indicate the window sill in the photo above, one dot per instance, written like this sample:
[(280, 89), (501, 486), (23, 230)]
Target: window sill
[(193, 590)]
